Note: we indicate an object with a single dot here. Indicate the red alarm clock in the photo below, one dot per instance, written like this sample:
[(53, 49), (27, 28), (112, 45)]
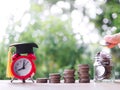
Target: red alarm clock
[(22, 66)]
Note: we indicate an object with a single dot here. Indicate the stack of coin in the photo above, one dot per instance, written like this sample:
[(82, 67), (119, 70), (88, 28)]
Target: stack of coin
[(69, 76), (54, 78), (83, 73), (41, 80)]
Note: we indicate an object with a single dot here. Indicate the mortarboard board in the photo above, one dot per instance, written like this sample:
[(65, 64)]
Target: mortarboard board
[(22, 48)]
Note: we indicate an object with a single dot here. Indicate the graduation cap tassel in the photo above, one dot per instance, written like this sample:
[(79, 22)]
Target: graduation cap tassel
[(9, 62)]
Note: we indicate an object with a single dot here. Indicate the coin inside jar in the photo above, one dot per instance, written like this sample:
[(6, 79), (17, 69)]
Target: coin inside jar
[(100, 71)]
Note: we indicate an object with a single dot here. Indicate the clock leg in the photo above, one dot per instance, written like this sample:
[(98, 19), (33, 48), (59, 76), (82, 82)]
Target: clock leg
[(23, 80), (32, 79), (12, 79)]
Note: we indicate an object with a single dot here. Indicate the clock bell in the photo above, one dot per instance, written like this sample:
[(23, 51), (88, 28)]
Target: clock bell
[(21, 65)]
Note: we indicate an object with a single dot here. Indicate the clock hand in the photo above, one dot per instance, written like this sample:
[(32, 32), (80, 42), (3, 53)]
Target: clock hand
[(23, 64), (26, 63), (20, 69)]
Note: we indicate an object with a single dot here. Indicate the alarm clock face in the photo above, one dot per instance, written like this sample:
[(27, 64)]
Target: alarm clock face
[(22, 67)]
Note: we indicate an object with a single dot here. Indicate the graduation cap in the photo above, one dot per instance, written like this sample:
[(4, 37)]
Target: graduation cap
[(22, 48)]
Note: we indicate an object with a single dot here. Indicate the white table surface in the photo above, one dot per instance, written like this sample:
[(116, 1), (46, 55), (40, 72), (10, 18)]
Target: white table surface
[(18, 85)]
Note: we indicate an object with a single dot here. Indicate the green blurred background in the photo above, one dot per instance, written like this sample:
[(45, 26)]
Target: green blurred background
[(67, 32)]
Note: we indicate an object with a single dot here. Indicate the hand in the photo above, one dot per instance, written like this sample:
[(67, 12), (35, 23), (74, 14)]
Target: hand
[(112, 40), (20, 69), (23, 66)]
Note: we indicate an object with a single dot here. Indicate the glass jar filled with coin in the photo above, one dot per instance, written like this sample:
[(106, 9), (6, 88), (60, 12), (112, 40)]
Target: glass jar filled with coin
[(103, 67)]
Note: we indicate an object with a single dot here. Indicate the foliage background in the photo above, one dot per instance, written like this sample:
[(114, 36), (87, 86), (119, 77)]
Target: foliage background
[(59, 48)]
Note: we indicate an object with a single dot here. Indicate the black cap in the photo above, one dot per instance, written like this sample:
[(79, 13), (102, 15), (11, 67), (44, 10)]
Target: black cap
[(22, 48)]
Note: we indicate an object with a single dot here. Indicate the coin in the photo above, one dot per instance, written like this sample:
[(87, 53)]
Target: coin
[(41, 80), (84, 80), (84, 76), (54, 81), (108, 68), (69, 80)]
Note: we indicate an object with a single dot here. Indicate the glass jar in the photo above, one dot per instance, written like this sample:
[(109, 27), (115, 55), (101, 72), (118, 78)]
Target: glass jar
[(103, 67)]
